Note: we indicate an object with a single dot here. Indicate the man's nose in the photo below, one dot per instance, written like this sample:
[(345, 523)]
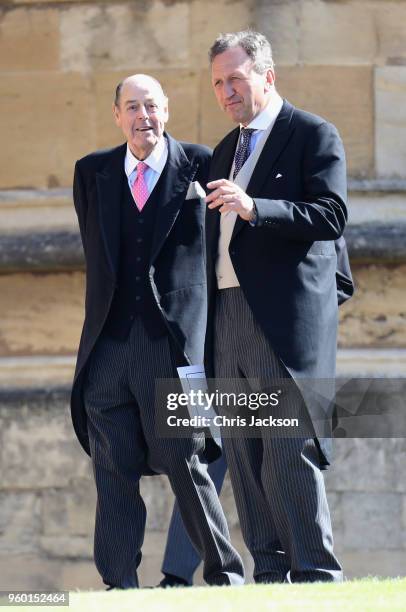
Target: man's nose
[(142, 112), (229, 90)]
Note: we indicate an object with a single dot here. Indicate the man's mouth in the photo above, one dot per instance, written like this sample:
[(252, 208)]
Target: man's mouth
[(144, 129)]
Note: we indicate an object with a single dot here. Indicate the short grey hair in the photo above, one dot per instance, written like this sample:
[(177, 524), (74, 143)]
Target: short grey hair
[(256, 46)]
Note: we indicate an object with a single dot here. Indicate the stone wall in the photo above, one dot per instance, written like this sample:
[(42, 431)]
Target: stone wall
[(60, 61), (47, 499)]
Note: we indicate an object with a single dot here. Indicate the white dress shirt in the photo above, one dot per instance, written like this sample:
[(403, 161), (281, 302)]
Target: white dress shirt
[(155, 161), (263, 122)]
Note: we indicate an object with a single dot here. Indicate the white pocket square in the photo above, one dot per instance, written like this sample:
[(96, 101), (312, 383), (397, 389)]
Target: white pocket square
[(195, 191), (278, 175)]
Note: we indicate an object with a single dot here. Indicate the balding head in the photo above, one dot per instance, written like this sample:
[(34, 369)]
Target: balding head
[(139, 80)]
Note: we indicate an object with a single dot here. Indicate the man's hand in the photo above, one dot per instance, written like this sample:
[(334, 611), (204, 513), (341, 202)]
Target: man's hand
[(229, 196)]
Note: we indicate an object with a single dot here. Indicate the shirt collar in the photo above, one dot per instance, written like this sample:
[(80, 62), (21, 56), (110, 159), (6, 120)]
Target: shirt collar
[(155, 160), (267, 117)]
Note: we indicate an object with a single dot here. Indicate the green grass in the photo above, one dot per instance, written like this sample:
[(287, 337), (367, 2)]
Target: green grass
[(358, 596)]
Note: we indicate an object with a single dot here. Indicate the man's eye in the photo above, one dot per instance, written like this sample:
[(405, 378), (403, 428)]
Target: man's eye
[(153, 106)]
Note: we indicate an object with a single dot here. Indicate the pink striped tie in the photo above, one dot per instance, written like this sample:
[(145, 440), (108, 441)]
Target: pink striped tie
[(140, 190)]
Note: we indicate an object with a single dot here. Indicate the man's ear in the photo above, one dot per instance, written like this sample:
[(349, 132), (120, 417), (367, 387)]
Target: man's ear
[(166, 111), (116, 115), (270, 79)]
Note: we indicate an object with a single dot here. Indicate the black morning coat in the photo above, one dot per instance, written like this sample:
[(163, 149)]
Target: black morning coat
[(177, 271), (293, 266)]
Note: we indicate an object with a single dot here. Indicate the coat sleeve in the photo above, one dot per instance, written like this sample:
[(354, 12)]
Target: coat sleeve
[(321, 214), (80, 202)]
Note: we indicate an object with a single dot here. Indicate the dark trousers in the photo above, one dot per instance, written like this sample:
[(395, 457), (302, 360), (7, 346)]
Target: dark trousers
[(278, 486), (120, 404), (181, 558)]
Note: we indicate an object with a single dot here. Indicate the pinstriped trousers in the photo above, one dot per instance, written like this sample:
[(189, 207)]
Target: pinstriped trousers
[(119, 397), (278, 486), (180, 557)]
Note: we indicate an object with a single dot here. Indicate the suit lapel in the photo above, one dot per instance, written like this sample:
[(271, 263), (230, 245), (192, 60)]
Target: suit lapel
[(109, 191), (173, 184), (275, 144), (223, 156)]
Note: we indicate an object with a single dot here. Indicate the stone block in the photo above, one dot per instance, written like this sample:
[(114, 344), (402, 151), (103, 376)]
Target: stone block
[(81, 575), (41, 313), (390, 25), (398, 460), (29, 572), (362, 465), (404, 521), (29, 39), (122, 36), (382, 563), (335, 506), (46, 121), (67, 547), (366, 208), (375, 316), (39, 2), (336, 33), (280, 23), (36, 372), (43, 573), (214, 124), (42, 251), (158, 497), (37, 210), (181, 87), (209, 18), (342, 95), (19, 521), (69, 511), (39, 446), (370, 363), (371, 521), (390, 121), (228, 503), (378, 242)]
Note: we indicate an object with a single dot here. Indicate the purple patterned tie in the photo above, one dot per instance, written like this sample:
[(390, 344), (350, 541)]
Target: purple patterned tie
[(139, 189), (242, 152)]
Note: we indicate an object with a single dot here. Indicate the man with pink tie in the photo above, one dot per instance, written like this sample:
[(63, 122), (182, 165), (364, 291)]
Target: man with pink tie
[(142, 226)]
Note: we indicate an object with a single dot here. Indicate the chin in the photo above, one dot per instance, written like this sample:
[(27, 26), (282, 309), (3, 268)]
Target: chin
[(235, 117)]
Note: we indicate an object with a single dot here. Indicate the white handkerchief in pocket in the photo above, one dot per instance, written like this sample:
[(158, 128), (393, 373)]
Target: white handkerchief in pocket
[(195, 191)]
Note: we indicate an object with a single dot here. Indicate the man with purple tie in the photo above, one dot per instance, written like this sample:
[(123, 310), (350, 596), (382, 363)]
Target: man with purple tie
[(142, 226)]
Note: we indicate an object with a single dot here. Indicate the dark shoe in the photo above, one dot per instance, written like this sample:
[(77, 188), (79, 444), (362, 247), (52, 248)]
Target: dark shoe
[(169, 581), (269, 578)]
